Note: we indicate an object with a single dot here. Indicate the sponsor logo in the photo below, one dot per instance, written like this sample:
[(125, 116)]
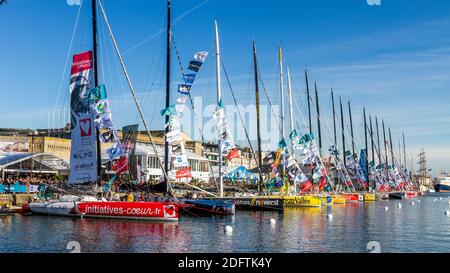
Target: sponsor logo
[(169, 211), (85, 127)]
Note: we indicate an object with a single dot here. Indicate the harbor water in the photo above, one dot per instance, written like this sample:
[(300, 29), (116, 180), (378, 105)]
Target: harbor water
[(421, 226)]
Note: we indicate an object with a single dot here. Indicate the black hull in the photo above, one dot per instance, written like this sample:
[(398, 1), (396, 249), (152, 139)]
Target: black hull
[(396, 195), (441, 188)]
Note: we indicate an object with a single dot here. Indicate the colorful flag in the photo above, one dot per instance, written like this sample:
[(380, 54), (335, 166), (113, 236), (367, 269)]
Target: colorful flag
[(115, 151), (107, 186), (129, 146), (104, 121), (195, 65), (96, 93), (201, 56), (184, 89), (293, 135), (168, 111), (174, 135), (189, 78), (180, 161), (282, 144), (121, 165), (233, 154), (101, 107), (306, 186), (227, 144), (184, 173), (109, 136)]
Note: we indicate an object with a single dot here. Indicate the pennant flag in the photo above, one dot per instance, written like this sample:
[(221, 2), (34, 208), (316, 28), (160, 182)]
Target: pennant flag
[(184, 173), (306, 186), (195, 65), (333, 150), (278, 157), (174, 135), (183, 100), (233, 154), (282, 144), (218, 114), (306, 138), (221, 103), (101, 107), (107, 186), (174, 121), (104, 121), (180, 161), (189, 78), (227, 144), (115, 151), (347, 153), (168, 111), (96, 93), (293, 135), (108, 136), (121, 165), (129, 137), (180, 108), (184, 89), (201, 56), (363, 165)]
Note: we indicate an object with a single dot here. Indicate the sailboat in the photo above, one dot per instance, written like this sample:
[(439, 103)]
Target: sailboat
[(85, 160)]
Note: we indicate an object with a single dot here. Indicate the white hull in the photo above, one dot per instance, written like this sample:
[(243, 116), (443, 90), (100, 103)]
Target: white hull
[(54, 208)]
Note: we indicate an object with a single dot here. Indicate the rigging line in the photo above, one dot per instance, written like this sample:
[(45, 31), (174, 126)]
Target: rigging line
[(279, 128), (193, 109), (170, 190), (68, 55), (343, 173), (175, 21), (240, 117)]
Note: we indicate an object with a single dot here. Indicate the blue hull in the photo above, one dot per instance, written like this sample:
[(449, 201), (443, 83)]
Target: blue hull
[(211, 207), (441, 188)]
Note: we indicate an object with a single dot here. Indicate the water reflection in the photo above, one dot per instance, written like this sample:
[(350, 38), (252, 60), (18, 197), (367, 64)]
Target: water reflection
[(421, 227)]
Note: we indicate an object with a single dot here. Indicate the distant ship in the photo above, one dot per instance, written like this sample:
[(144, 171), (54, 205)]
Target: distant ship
[(442, 182)]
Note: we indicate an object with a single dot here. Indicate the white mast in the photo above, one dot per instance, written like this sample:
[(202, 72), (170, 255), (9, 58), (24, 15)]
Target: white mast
[(219, 98), (280, 55), (290, 104)]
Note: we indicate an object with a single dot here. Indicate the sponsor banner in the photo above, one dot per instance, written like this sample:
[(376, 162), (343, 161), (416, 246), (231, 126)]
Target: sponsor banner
[(83, 152), (138, 210), (129, 146)]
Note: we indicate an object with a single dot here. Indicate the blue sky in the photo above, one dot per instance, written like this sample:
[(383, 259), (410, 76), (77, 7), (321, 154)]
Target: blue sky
[(394, 58)]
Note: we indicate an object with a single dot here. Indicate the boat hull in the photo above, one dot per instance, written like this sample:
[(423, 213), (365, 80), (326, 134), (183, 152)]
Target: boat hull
[(370, 197), (53, 208), (149, 211), (301, 201), (441, 188), (338, 199), (210, 207), (396, 195), (255, 203), (351, 198)]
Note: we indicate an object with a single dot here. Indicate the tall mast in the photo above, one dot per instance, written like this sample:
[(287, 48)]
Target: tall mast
[(255, 65), (290, 104), (392, 147), (95, 62), (309, 104), (168, 44), (318, 118), (351, 128), (385, 150), (280, 59), (334, 117), (404, 150), (378, 141), (365, 138), (219, 99), (342, 131), (371, 140)]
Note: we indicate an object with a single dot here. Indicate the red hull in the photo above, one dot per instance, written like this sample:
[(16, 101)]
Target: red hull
[(130, 210), (352, 198)]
